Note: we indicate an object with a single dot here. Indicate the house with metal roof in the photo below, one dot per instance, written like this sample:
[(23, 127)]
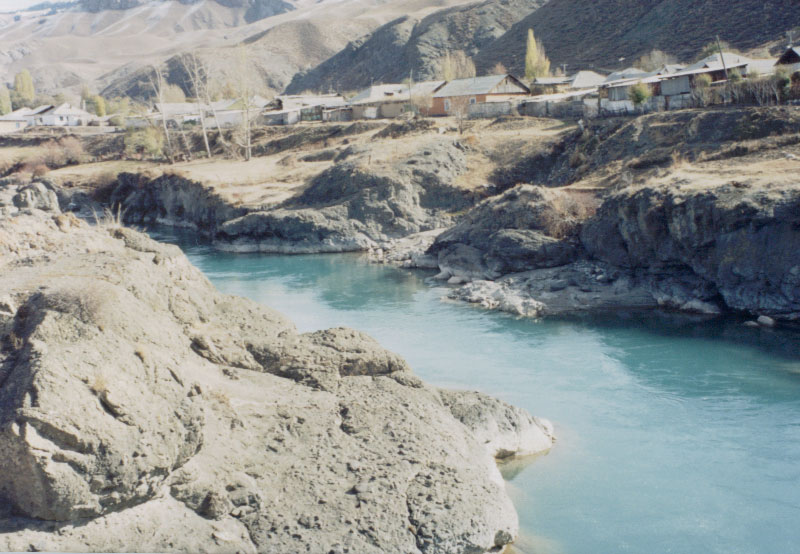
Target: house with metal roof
[(579, 81), (477, 90), (64, 115), (387, 101), (789, 60)]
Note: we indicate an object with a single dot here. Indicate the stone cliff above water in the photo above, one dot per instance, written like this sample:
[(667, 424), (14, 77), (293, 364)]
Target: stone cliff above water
[(143, 410)]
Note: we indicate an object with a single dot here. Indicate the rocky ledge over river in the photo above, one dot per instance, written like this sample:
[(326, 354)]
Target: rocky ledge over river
[(142, 410), (706, 249)]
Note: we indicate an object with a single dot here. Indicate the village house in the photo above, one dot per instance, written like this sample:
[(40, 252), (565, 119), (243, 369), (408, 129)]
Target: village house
[(388, 101), (64, 115), (290, 109), (579, 81), (477, 90), (789, 60), (11, 124), (672, 85)]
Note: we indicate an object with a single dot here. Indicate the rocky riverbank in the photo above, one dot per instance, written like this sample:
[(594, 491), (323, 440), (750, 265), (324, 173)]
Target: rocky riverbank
[(702, 249), (351, 206), (692, 210), (142, 410)]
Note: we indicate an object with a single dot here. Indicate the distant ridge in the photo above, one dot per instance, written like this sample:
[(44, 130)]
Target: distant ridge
[(599, 33)]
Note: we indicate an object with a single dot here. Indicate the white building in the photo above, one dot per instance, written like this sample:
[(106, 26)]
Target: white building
[(64, 115)]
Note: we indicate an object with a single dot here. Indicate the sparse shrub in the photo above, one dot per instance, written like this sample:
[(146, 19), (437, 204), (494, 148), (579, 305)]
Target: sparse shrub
[(577, 159), (655, 59), (52, 155), (144, 143), (639, 94), (72, 150), (38, 170), (99, 385), (701, 93), (567, 210)]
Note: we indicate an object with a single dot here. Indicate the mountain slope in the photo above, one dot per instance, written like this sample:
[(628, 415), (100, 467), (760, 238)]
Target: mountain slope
[(279, 53), (409, 46), (598, 33)]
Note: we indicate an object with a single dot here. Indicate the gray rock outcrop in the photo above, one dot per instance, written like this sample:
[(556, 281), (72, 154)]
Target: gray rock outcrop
[(698, 249), (142, 410), (742, 242), (352, 206), (525, 228)]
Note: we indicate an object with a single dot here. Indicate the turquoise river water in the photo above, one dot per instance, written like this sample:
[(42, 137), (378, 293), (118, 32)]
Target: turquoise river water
[(674, 434)]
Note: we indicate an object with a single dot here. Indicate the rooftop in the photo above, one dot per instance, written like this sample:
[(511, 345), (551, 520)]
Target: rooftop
[(474, 85)]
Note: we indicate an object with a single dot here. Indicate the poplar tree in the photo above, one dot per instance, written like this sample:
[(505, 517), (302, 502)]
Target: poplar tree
[(24, 93), (5, 100), (536, 62)]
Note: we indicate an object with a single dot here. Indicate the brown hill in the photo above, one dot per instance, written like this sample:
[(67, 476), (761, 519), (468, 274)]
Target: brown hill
[(409, 46), (599, 33)]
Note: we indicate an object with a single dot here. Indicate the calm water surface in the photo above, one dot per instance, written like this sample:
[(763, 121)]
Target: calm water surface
[(675, 435)]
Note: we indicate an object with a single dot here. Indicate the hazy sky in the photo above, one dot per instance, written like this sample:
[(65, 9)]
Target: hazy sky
[(10, 5)]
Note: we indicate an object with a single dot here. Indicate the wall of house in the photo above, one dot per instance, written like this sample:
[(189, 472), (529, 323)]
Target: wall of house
[(489, 109), (391, 110), (618, 94), (678, 85), (365, 112), (440, 104), (8, 127), (566, 109)]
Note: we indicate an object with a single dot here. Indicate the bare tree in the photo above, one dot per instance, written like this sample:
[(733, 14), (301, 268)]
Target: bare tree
[(246, 82), (498, 69), (655, 59), (158, 83), (456, 65), (459, 108), (199, 78)]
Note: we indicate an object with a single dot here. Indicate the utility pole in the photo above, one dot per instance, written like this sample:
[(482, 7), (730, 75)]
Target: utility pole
[(722, 58)]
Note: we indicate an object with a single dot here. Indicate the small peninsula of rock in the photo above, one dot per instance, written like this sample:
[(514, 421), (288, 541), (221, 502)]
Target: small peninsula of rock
[(142, 410)]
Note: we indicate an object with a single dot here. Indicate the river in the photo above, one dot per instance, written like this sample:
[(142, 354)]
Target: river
[(674, 434)]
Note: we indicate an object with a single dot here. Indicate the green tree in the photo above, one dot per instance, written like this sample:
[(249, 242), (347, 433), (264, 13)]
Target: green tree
[(24, 91), (536, 62), (144, 143), (98, 105), (639, 94), (5, 100)]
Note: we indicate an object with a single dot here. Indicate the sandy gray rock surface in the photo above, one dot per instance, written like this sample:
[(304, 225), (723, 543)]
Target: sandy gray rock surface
[(143, 410), (695, 249)]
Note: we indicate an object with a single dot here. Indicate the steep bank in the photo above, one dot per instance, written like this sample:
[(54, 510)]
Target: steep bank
[(143, 410), (707, 249), (356, 204)]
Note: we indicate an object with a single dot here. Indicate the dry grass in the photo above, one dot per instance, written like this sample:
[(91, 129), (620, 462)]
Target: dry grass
[(99, 385), (568, 209), (109, 219)]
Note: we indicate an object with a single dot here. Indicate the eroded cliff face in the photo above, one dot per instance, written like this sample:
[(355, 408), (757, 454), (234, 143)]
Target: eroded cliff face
[(743, 241), (350, 206), (142, 410), (696, 248)]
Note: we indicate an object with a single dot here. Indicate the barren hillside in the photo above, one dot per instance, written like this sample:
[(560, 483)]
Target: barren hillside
[(599, 33), (409, 46)]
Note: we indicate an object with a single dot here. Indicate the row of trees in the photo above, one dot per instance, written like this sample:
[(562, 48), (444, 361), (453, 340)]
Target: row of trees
[(23, 94)]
